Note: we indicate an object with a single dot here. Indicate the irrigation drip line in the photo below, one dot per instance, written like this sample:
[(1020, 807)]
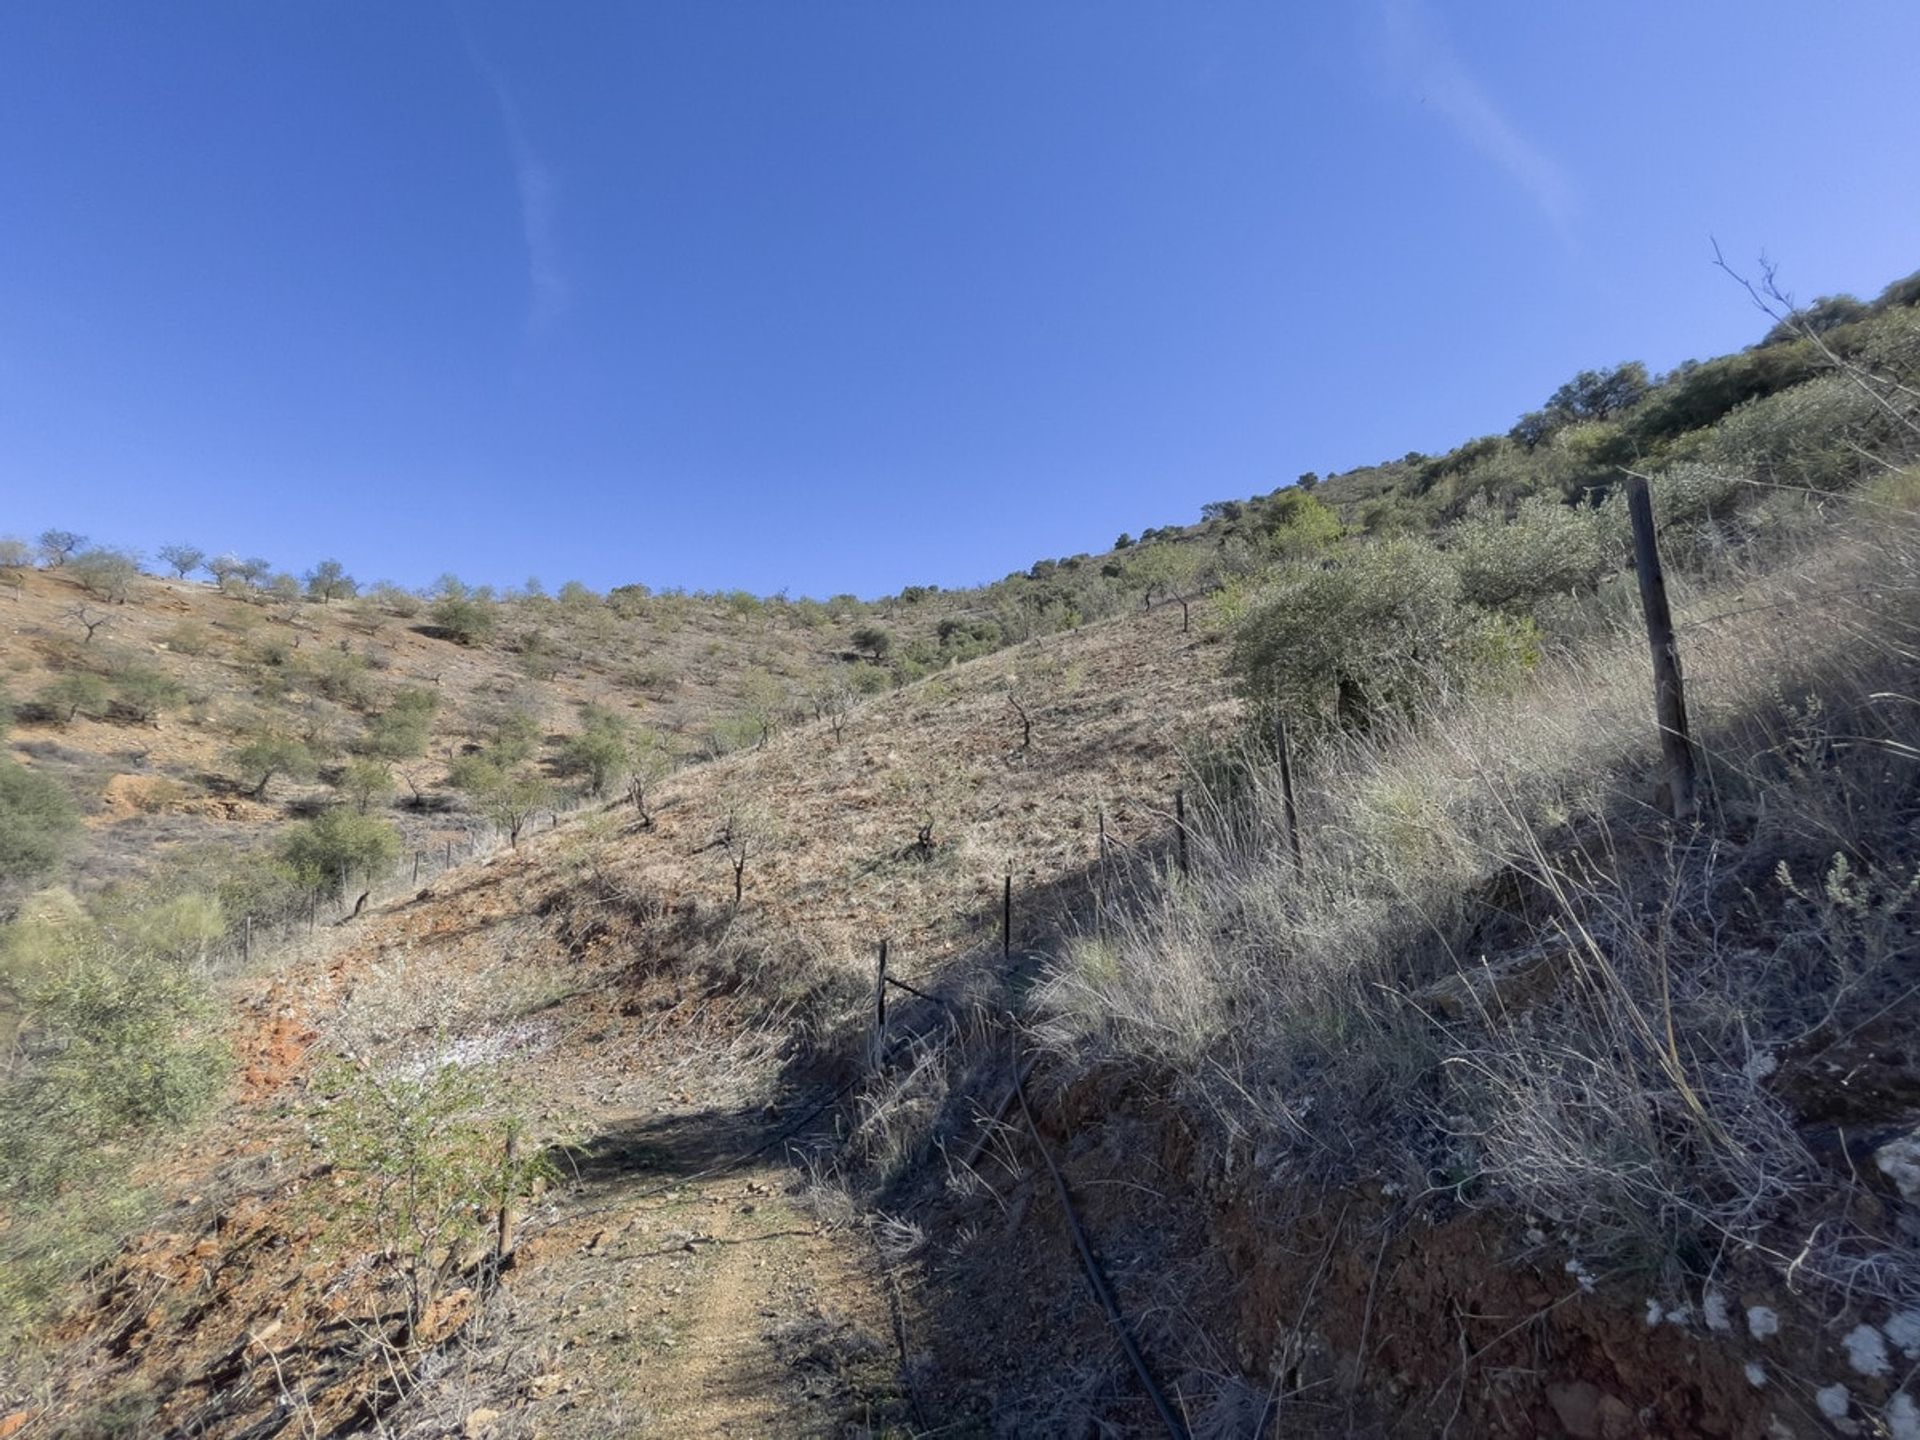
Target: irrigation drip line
[(1098, 1280)]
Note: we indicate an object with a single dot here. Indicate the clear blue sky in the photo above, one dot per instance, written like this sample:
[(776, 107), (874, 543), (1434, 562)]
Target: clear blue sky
[(841, 296)]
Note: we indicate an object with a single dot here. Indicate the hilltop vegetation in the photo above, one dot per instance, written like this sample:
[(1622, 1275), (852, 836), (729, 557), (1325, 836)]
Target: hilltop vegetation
[(1461, 965)]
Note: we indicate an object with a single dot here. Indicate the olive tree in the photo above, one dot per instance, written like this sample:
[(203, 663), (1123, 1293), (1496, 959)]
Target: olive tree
[(328, 581)]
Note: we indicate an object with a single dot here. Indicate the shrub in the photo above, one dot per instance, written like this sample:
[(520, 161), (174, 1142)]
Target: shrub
[(336, 842), (1383, 630), (1820, 435), (363, 782), (423, 1151), (1295, 523), (37, 823), (464, 619), (1546, 548), (114, 1044), (400, 731), (395, 599), (141, 693), (189, 638), (342, 677), (600, 752), (108, 574), (74, 693), (509, 796), (872, 640)]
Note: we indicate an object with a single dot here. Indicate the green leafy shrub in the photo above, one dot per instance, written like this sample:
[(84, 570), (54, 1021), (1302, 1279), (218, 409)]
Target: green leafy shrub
[(108, 574), (38, 823), (1819, 435), (141, 693), (335, 842), (1383, 630), (464, 619), (423, 1151), (116, 1043), (70, 694), (1546, 548), (601, 752), (508, 795)]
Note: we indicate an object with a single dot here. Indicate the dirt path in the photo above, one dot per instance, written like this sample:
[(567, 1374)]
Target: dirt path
[(722, 1307)]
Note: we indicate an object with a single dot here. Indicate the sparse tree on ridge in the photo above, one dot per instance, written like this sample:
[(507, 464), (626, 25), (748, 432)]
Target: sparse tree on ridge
[(182, 559), (328, 581), (57, 545)]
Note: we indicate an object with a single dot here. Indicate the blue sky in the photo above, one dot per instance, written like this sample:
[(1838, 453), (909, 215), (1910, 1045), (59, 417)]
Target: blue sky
[(842, 296)]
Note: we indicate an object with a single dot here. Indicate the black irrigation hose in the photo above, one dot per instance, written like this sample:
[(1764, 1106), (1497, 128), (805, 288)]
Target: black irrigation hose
[(1098, 1280)]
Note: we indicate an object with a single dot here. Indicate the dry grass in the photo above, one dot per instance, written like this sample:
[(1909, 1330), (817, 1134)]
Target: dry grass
[(1504, 976)]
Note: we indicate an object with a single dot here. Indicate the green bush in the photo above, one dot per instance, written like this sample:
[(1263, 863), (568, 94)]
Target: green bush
[(1384, 630), (1819, 435), (465, 619), (38, 823), (109, 574), (424, 1156), (141, 694), (116, 1042), (338, 841), (342, 677), (601, 751), (872, 640), (508, 795), (70, 694), (1546, 548)]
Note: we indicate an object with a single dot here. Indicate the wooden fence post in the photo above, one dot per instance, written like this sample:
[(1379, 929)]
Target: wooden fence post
[(1286, 791), (246, 941), (879, 1054), (503, 1233), (1006, 918), (1669, 691), (416, 867), (1180, 827), (449, 864)]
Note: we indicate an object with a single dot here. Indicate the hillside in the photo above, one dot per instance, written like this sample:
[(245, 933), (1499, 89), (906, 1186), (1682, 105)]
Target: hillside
[(1437, 1074)]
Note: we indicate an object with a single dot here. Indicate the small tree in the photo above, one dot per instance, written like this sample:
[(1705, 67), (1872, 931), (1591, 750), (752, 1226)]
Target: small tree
[(57, 545), (269, 754), (328, 581), (225, 569), (872, 640), (508, 797), (182, 559), (363, 782), (600, 751), (423, 1151), (87, 618), (649, 762)]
